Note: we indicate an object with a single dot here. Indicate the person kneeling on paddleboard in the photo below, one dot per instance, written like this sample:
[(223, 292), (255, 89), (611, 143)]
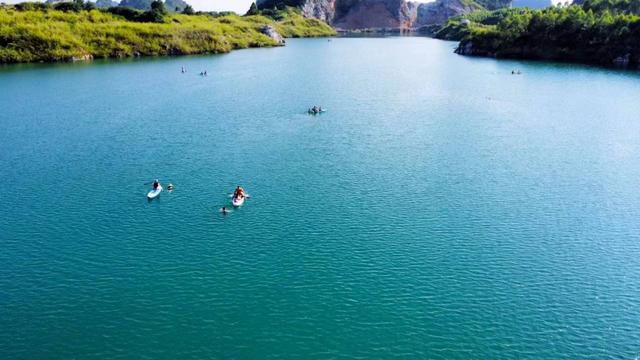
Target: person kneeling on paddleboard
[(156, 183), (239, 192)]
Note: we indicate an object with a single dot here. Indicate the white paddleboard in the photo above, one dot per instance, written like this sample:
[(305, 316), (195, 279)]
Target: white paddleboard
[(154, 193), (238, 201)]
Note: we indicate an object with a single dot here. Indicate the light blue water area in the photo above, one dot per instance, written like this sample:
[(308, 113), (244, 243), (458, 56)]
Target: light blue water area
[(441, 208)]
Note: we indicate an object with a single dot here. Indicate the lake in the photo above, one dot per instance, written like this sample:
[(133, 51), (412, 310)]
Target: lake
[(441, 208)]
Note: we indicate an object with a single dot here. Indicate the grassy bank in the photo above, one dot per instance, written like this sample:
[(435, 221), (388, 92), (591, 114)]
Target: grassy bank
[(53, 35)]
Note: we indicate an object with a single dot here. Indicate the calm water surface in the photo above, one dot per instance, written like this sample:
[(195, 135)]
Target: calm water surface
[(442, 208)]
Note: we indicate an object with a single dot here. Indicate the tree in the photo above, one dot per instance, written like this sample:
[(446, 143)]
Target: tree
[(157, 6), (74, 6), (89, 6), (188, 10), (253, 10)]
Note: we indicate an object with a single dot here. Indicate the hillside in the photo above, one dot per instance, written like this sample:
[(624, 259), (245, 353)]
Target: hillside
[(36, 34)]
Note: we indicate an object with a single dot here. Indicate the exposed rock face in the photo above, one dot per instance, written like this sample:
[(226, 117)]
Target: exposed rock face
[(465, 49), (377, 14), (175, 5), (271, 32), (319, 9), (438, 12), (397, 14)]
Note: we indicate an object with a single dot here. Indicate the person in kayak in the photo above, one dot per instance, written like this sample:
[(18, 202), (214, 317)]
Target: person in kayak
[(156, 184), (238, 193)]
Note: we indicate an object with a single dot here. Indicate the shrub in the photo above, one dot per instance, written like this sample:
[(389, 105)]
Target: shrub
[(32, 6), (128, 13)]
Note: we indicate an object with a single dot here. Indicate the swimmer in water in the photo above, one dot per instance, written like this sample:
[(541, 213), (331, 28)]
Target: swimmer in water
[(224, 210), (170, 187)]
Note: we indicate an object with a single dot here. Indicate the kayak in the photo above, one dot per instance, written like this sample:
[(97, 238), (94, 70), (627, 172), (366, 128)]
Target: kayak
[(154, 193), (238, 201)]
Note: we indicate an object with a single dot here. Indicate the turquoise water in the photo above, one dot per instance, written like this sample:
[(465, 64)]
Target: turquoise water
[(441, 208)]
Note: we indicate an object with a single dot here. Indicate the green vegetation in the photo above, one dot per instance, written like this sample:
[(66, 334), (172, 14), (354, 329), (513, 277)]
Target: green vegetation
[(459, 27), (188, 10), (291, 24), (36, 32), (605, 32)]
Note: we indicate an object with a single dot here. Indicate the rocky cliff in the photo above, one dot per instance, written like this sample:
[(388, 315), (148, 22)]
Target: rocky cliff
[(438, 12), (378, 14)]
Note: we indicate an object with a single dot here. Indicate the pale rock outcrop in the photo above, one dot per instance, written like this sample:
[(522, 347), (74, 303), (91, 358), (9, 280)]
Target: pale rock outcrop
[(85, 57), (271, 32), (319, 9)]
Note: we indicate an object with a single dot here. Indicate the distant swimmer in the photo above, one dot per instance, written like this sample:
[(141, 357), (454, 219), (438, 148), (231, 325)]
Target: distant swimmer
[(170, 187), (184, 70), (316, 110), (224, 210)]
